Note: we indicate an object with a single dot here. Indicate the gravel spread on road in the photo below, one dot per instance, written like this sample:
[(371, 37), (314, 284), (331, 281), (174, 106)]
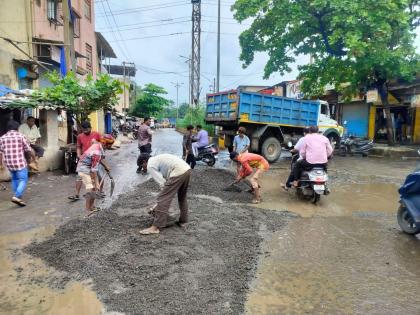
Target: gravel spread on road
[(205, 268)]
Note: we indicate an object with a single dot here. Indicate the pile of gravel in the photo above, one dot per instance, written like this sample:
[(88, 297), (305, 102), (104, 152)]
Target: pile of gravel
[(204, 269)]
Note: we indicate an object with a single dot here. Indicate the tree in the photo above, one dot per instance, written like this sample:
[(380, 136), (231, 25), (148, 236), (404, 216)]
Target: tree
[(354, 45), (80, 99), (150, 102)]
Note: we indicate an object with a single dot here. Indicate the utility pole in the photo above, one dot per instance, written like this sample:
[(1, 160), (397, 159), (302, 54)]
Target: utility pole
[(218, 47), (68, 39), (195, 60), (188, 61), (124, 100), (177, 86)]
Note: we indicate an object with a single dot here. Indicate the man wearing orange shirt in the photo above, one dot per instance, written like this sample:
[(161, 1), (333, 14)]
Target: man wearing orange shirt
[(248, 162)]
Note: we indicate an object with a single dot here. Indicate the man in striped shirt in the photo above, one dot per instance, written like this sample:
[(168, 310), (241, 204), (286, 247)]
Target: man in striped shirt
[(13, 146)]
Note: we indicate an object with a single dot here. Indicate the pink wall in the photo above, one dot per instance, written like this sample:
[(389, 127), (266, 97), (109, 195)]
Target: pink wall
[(44, 29)]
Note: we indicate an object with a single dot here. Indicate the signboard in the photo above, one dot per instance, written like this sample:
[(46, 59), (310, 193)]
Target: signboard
[(293, 89), (372, 96)]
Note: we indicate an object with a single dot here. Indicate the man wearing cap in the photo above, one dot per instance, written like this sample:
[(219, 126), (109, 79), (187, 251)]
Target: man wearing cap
[(84, 141), (248, 162)]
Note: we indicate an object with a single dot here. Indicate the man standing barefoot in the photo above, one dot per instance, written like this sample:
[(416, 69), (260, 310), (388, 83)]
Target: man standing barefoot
[(173, 175)]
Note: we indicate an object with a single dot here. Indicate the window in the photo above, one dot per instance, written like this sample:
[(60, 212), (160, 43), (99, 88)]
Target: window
[(76, 25), (89, 58), (52, 10), (87, 9)]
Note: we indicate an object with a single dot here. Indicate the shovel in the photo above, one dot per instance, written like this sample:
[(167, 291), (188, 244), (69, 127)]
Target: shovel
[(231, 187), (112, 182)]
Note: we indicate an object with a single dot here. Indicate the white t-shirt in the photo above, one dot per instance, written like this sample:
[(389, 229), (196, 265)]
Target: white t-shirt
[(32, 134), (299, 146)]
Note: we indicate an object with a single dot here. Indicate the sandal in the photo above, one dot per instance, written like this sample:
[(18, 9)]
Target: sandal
[(285, 188), (256, 201), (18, 201), (74, 198), (92, 212)]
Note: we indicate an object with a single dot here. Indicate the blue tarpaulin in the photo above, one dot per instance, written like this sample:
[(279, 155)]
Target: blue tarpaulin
[(63, 67), (5, 90)]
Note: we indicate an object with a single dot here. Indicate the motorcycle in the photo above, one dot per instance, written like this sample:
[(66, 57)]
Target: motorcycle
[(70, 158), (312, 183), (208, 154), (352, 145), (408, 215)]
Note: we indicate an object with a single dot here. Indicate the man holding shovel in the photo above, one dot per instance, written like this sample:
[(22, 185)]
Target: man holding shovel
[(87, 169), (248, 162), (173, 176)]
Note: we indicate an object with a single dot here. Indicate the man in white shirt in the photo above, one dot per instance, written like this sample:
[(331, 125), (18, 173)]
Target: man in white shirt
[(173, 176), (31, 133), (297, 149)]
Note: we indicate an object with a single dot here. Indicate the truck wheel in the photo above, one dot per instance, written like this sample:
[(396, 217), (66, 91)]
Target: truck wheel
[(271, 149)]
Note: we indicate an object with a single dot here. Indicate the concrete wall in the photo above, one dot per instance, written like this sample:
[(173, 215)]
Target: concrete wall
[(44, 29), (13, 15)]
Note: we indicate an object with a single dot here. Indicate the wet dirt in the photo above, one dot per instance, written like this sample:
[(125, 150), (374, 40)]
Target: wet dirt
[(204, 269), (336, 266), (23, 277)]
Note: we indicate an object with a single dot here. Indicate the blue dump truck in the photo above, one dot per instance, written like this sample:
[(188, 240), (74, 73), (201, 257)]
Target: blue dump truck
[(271, 121)]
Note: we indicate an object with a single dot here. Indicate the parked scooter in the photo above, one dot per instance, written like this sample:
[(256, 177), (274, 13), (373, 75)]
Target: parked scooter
[(408, 215), (208, 154), (353, 145), (312, 183)]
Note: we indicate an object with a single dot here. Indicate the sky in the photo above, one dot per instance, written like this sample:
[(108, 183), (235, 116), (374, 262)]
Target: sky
[(147, 33), (155, 33)]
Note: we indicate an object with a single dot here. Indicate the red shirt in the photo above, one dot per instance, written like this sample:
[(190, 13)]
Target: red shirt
[(13, 146), (250, 161), (85, 141)]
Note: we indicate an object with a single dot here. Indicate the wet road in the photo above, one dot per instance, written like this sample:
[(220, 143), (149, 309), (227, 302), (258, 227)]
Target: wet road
[(343, 256)]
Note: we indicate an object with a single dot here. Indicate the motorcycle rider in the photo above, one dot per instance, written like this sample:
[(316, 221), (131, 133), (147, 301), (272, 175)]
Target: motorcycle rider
[(315, 152), (202, 140), (297, 149), (145, 145)]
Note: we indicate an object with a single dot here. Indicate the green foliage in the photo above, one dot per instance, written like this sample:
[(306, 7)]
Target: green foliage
[(354, 44), (195, 116), (171, 111), (81, 99), (150, 102)]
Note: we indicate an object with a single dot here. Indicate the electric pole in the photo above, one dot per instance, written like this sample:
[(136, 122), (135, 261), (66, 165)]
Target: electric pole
[(177, 86), (218, 47), (195, 60)]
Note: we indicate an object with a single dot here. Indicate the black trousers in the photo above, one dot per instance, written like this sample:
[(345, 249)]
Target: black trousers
[(145, 151), (39, 151), (303, 165), (191, 160)]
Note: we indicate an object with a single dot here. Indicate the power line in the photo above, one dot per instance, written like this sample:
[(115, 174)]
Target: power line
[(137, 10), (152, 22), (150, 26), (171, 34), (113, 33), (119, 33)]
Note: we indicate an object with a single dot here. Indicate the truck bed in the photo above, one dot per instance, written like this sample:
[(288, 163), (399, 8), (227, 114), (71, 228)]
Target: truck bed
[(247, 107)]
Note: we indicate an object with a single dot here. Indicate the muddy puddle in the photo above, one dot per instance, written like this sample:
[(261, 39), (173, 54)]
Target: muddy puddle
[(364, 199), (23, 287), (337, 266)]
